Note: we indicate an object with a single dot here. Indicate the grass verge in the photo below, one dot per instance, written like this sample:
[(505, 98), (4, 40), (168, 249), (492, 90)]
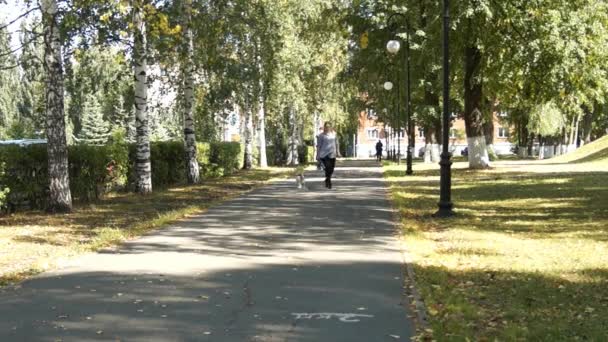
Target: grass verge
[(526, 257), (32, 242)]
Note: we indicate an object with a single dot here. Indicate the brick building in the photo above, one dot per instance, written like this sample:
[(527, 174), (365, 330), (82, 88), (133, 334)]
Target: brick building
[(370, 131)]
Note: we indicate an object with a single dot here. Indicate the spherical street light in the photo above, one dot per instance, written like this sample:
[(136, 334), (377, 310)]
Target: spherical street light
[(388, 85), (393, 46)]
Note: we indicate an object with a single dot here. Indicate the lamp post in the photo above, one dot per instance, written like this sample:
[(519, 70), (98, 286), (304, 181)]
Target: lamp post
[(445, 198), (388, 86), (393, 46)]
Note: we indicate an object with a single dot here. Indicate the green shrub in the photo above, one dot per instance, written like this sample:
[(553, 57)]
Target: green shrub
[(276, 155), (226, 156), (88, 166), (168, 163), (202, 153), (25, 174), (118, 149), (306, 154), (4, 190), (95, 170)]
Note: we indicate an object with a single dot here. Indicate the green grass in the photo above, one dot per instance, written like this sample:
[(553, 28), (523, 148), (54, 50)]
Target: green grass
[(526, 257), (596, 151), (32, 242)]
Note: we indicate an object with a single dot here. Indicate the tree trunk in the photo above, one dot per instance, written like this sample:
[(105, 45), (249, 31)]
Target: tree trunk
[(488, 128), (143, 167), (192, 167), (429, 141), (59, 179), (587, 124), (315, 131), (473, 118), (262, 132), (248, 135), (292, 144), (578, 120)]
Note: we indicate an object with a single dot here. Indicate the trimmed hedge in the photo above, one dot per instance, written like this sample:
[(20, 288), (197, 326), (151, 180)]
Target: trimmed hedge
[(95, 170), (277, 156)]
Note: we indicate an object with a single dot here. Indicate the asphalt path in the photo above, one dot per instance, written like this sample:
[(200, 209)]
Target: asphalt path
[(278, 264)]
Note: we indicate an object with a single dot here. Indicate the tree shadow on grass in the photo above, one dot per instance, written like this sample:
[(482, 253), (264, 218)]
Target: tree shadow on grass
[(507, 305), (520, 202)]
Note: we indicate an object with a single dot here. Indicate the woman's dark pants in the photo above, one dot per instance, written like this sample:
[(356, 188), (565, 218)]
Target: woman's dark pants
[(330, 164)]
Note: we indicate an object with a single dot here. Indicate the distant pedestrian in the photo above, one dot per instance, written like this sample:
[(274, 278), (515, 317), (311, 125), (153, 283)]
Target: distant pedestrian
[(379, 150), (327, 152)]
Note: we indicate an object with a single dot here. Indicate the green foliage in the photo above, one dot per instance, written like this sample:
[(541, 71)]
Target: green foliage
[(89, 171), (546, 119), (26, 175), (203, 151), (306, 154), (168, 166), (168, 163), (95, 130), (226, 156), (4, 189), (96, 170)]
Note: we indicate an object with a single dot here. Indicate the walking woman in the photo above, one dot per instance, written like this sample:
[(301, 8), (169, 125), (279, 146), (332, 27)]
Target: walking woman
[(327, 152)]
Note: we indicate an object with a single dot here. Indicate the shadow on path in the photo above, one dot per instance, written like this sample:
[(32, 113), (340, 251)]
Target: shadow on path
[(279, 264)]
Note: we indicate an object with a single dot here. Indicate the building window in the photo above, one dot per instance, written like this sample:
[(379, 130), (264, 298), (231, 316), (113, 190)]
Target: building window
[(503, 132), (372, 133), (421, 132)]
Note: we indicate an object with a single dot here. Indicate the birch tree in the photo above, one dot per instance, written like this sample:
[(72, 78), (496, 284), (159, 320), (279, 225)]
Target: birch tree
[(59, 182), (187, 69), (143, 167)]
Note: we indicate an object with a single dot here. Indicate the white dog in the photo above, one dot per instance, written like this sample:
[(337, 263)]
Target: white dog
[(300, 180)]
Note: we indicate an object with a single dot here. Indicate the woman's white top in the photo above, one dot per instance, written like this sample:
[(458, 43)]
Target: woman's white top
[(326, 145)]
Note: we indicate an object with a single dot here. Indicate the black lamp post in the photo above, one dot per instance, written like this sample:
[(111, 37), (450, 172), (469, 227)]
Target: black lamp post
[(445, 199), (388, 86), (393, 47)]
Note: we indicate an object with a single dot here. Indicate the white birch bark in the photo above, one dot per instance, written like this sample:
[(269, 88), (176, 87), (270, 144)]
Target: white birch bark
[(248, 135), (435, 153), (315, 131), (192, 167), (522, 152), (143, 167), (262, 132), (292, 144), (427, 153), (59, 180), (478, 152)]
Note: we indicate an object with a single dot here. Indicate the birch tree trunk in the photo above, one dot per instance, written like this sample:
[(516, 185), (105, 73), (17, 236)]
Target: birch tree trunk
[(143, 167), (248, 135), (262, 131), (59, 180), (192, 168), (292, 144), (429, 135), (315, 132), (473, 118)]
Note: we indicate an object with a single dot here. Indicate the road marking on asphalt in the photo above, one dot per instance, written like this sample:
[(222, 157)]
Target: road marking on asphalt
[(343, 317)]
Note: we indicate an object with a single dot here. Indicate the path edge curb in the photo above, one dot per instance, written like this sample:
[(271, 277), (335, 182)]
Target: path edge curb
[(417, 304)]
